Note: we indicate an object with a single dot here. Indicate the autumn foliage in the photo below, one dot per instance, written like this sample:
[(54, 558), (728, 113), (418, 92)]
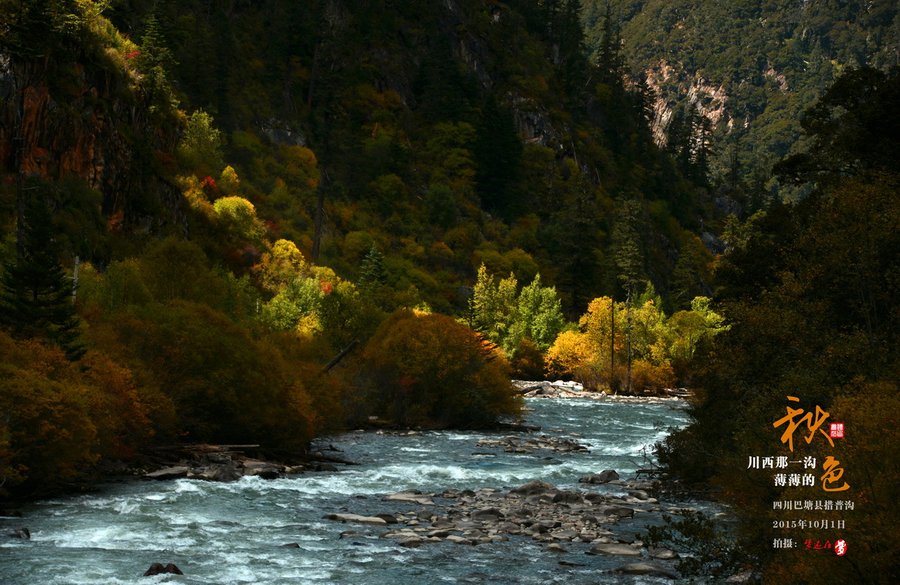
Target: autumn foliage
[(60, 418), (429, 370)]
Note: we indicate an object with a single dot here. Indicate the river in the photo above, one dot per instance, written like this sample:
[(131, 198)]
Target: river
[(232, 533)]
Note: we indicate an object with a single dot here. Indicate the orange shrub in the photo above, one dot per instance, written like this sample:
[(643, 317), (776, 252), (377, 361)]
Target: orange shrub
[(429, 370)]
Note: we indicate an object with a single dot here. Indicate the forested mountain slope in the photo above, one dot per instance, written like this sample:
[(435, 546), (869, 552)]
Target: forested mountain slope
[(750, 68), (444, 134), (204, 203)]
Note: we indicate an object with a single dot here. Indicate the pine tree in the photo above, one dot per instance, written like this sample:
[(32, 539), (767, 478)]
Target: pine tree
[(629, 261), (35, 293), (610, 62), (372, 275)]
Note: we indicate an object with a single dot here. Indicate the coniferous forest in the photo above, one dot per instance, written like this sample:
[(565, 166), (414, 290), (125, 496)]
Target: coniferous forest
[(260, 223)]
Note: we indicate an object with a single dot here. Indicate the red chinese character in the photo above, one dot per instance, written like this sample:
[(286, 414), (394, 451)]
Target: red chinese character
[(837, 430), (840, 547)]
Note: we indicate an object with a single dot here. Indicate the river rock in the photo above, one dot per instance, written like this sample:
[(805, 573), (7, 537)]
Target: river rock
[(487, 515), (159, 569), (457, 539), (411, 498), (217, 472), (646, 569), (262, 469), (567, 497), (663, 554), (21, 533), (533, 488), (555, 547), (639, 495), (175, 472), (604, 476), (356, 518), (532, 444), (617, 511), (615, 549)]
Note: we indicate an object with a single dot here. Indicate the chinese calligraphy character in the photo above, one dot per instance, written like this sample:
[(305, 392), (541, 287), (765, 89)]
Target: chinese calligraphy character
[(812, 424), (833, 473), (840, 547)]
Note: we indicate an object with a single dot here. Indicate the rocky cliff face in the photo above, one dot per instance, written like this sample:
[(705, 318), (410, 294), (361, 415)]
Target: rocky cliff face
[(671, 84), (89, 121)]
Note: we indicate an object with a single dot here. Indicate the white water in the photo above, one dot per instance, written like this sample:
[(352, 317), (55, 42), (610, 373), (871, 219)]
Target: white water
[(232, 533)]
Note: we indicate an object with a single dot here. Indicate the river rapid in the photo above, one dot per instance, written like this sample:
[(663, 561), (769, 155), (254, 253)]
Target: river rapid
[(234, 533)]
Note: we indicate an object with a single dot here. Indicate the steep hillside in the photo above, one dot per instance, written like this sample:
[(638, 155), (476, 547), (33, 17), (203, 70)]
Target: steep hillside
[(445, 135), (749, 67), (82, 123)]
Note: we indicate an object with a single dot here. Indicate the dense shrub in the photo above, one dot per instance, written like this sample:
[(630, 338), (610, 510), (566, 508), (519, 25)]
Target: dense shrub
[(59, 418), (429, 370)]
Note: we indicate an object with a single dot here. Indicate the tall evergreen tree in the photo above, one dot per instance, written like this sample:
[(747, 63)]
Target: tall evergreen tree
[(35, 294), (630, 263), (372, 275)]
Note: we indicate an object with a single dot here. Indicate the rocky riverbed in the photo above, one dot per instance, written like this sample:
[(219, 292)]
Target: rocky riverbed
[(558, 520)]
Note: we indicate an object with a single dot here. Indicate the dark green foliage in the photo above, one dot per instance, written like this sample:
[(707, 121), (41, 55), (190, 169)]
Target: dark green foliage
[(811, 291), (772, 59), (850, 131), (627, 245), (36, 299), (372, 275), (498, 153), (712, 548)]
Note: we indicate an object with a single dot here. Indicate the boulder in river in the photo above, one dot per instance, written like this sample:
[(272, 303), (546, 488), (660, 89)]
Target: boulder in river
[(605, 476), (646, 569), (175, 472), (160, 569), (22, 533), (216, 472), (615, 549), (356, 518), (534, 488), (411, 498)]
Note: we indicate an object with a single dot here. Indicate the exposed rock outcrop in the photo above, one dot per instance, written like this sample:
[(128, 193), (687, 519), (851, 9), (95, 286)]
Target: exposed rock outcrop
[(82, 116)]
